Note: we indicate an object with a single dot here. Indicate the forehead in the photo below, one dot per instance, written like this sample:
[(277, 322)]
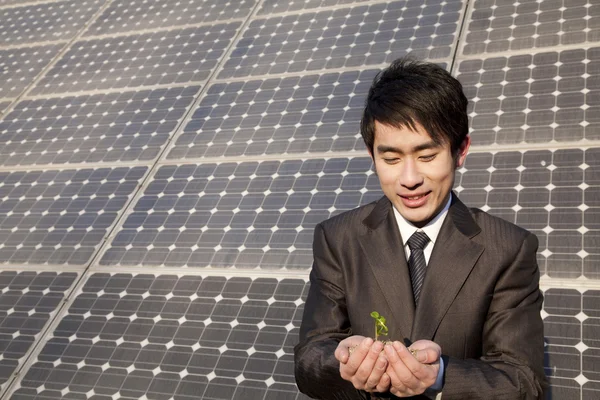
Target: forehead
[(402, 134)]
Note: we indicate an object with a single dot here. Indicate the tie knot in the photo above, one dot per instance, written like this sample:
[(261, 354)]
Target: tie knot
[(418, 241)]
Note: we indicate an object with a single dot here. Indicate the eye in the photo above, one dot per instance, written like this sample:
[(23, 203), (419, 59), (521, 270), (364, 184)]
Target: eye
[(427, 157), (391, 160)]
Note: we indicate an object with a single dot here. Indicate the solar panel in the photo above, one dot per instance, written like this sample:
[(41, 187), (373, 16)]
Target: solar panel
[(313, 113), (551, 193), (192, 336), (231, 129), (60, 217), (169, 336), (124, 16), (248, 215), (545, 97), (91, 129), (28, 300), (57, 20), (346, 37), (261, 214), (158, 58), (20, 66), (569, 326), (505, 25)]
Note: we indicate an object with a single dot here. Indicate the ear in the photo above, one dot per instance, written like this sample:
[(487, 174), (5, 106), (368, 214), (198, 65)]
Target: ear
[(462, 151)]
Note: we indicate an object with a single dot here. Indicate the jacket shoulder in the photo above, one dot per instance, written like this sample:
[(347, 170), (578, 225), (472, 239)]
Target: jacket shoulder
[(350, 219), (495, 228)]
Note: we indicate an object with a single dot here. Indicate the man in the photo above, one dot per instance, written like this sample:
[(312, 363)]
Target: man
[(456, 285)]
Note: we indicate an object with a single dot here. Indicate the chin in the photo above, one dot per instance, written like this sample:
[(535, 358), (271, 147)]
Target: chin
[(416, 218)]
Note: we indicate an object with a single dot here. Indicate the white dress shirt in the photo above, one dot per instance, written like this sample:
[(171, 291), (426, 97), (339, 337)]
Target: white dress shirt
[(432, 230)]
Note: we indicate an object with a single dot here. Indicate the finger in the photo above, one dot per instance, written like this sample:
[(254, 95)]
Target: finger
[(384, 383), (342, 353), (397, 388), (427, 351), (399, 357), (368, 364), (423, 372), (376, 374), (402, 392), (356, 358), (426, 355)]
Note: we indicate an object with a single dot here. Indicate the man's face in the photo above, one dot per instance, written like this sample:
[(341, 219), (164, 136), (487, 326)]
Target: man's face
[(416, 174)]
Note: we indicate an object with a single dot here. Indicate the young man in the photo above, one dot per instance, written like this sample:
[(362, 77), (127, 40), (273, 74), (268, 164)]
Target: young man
[(456, 285)]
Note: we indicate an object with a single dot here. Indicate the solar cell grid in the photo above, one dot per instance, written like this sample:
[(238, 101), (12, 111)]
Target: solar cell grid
[(248, 214), (253, 214), (127, 15), (553, 194), (45, 22), (19, 66), (158, 58), (129, 126), (168, 336), (188, 336), (551, 96), (60, 217), (570, 322), (503, 25), (27, 301), (314, 113), (348, 37)]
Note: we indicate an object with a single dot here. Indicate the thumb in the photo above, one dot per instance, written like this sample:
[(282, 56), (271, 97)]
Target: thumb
[(425, 355), (342, 354)]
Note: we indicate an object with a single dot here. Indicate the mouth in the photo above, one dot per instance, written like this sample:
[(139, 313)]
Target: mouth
[(417, 197), (415, 200)]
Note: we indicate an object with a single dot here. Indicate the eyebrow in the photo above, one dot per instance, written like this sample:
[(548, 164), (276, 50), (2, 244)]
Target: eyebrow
[(391, 149)]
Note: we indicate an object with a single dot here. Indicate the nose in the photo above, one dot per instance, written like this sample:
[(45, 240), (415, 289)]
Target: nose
[(410, 176)]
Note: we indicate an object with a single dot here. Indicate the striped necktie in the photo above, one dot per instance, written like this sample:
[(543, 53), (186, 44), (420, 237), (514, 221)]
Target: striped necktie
[(416, 263)]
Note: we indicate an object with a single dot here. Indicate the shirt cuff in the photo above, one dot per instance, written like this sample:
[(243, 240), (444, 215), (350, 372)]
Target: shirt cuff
[(439, 382)]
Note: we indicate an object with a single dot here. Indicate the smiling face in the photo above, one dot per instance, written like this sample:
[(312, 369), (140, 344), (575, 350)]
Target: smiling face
[(415, 173)]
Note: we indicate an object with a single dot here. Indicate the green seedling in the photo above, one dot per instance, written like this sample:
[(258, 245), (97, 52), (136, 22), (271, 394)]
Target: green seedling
[(380, 328)]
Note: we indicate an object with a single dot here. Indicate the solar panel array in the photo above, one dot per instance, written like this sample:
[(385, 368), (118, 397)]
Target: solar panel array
[(163, 164)]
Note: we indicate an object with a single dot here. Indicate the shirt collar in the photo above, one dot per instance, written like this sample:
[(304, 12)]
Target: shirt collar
[(432, 229)]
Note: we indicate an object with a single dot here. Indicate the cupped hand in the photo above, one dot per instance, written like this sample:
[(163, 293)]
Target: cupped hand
[(410, 374), (366, 367)]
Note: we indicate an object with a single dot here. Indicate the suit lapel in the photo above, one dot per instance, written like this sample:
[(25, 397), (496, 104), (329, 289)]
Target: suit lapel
[(454, 256), (383, 247)]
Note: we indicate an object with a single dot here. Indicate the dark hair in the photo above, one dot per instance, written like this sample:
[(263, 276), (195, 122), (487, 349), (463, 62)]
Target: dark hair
[(408, 92)]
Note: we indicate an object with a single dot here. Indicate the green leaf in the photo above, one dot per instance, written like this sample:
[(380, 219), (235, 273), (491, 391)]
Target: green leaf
[(375, 314)]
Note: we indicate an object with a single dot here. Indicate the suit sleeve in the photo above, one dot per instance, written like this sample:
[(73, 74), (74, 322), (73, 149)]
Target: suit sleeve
[(513, 340), (324, 324)]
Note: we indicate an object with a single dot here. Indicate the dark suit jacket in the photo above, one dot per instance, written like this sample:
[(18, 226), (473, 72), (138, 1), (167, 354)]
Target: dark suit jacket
[(480, 302)]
